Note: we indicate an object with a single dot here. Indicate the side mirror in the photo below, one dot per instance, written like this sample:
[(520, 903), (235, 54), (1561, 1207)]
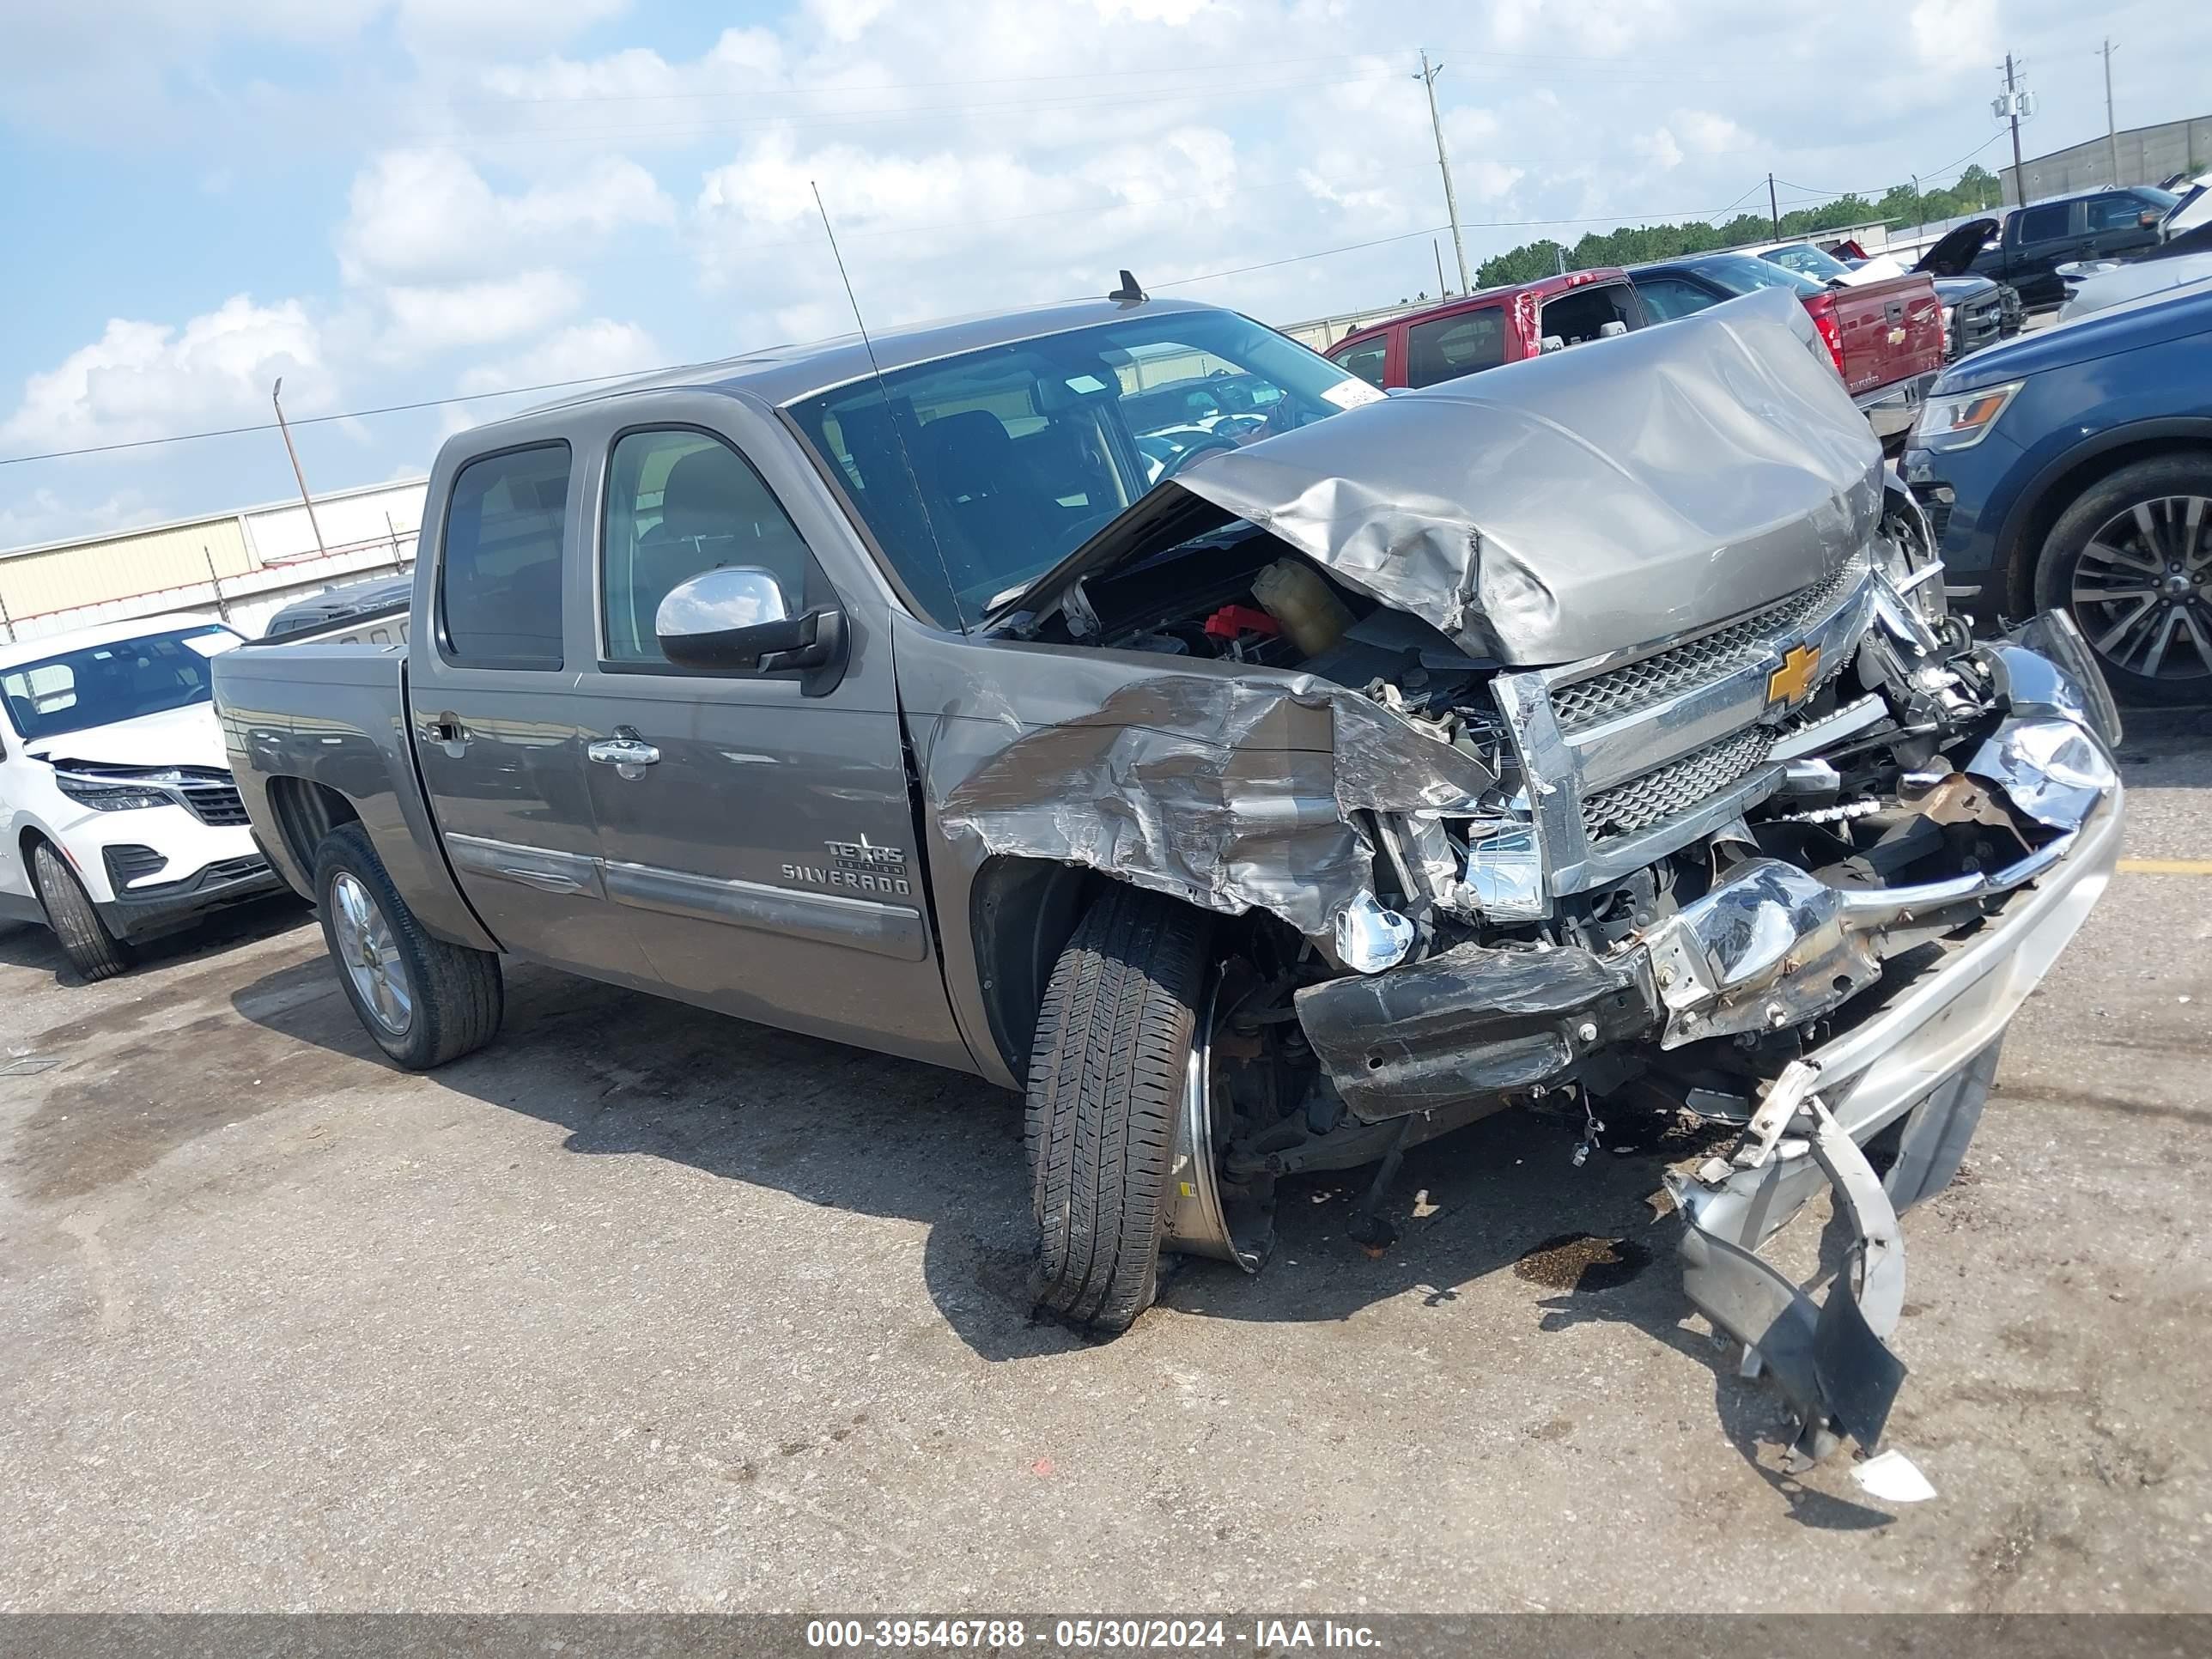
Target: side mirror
[(736, 619), (2149, 221)]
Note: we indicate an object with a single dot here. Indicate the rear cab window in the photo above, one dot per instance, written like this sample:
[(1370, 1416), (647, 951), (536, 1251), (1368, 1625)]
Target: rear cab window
[(499, 566), (1594, 312)]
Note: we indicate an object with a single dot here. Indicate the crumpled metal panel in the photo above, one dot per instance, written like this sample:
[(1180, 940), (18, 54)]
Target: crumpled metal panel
[(1233, 791), (1570, 505)]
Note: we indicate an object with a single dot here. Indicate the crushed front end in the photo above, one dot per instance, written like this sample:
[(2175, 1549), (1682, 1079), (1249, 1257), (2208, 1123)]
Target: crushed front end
[(1796, 874)]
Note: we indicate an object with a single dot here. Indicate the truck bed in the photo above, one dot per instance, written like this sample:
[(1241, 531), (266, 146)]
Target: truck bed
[(1892, 332), (335, 713)]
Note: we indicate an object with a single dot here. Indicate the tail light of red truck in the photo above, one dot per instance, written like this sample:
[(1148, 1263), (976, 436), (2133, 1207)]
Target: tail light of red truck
[(1823, 310)]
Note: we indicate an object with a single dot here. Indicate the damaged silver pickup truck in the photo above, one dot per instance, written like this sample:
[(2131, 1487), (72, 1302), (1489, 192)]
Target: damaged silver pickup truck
[(1264, 785)]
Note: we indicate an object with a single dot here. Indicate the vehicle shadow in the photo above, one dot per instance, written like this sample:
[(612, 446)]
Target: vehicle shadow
[(32, 944), (624, 1074)]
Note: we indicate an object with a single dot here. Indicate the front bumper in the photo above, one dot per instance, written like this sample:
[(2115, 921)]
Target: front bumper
[(1770, 946), (146, 912)]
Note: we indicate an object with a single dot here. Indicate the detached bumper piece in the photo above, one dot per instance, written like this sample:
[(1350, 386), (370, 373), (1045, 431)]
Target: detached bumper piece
[(1473, 1024)]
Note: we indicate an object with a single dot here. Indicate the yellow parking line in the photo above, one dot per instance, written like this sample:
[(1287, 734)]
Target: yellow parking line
[(2166, 866)]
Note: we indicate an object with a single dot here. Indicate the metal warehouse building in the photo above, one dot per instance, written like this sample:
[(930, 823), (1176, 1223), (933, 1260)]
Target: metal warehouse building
[(242, 567)]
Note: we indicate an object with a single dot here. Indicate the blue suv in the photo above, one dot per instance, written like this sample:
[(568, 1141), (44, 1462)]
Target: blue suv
[(2074, 468)]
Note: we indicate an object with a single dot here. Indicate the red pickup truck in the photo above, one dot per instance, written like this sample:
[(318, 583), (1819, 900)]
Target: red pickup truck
[(1497, 326), (1887, 338)]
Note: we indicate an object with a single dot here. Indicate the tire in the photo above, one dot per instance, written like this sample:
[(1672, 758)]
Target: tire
[(92, 950), (454, 995), (1105, 1083), (2066, 566)]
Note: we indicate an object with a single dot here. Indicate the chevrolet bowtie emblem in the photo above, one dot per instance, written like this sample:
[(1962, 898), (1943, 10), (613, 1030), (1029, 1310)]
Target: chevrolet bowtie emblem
[(1794, 677)]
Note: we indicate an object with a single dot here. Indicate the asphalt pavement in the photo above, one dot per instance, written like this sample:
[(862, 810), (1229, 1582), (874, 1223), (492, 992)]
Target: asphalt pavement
[(643, 1308)]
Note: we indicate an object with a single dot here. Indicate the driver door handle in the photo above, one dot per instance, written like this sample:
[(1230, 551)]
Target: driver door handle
[(627, 752)]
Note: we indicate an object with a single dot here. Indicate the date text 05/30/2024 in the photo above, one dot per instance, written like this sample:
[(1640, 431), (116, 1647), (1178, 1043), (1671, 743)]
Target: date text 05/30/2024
[(1257, 1636)]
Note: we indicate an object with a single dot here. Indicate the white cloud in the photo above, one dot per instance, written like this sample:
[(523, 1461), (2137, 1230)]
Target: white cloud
[(45, 516), (1660, 148), (437, 318), (1705, 133), (428, 216), (436, 25), (583, 351), (144, 379)]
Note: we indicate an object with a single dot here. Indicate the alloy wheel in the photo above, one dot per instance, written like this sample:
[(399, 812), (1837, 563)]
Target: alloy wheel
[(370, 954), (2142, 589)]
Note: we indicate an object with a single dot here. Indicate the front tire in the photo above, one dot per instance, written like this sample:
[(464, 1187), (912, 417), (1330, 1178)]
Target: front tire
[(1106, 1079), (91, 948), (423, 1000), (2132, 561)]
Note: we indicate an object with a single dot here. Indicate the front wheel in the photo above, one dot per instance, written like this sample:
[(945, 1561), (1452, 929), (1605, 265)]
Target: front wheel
[(423, 1000), (1106, 1079), (86, 940), (2132, 560)]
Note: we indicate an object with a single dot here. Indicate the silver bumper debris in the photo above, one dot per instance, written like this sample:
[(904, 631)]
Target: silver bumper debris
[(1925, 1055)]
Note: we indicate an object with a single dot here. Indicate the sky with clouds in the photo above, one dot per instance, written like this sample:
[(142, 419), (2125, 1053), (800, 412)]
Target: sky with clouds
[(390, 201)]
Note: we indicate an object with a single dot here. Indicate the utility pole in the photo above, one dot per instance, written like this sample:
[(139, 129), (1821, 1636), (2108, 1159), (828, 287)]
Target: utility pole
[(1774, 209), (1439, 252), (1919, 208), (276, 398), (1427, 77), (2112, 132), (2012, 114)]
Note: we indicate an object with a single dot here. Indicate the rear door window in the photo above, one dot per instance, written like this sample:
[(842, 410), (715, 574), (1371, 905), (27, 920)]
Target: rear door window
[(1365, 360), (499, 575), (1449, 347), (2043, 224), (1666, 298)]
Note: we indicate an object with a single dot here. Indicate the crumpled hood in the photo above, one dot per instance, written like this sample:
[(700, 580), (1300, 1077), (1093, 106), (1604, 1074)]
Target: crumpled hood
[(176, 737), (1585, 501)]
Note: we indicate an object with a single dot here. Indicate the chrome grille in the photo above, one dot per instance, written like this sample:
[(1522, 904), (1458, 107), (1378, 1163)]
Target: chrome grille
[(1654, 678), (212, 796), (1676, 787)]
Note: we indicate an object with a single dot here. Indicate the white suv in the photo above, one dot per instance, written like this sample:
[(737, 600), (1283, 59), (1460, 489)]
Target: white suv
[(118, 819)]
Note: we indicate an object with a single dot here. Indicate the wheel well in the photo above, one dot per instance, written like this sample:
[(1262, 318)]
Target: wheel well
[(1022, 913), (2027, 535), (305, 813)]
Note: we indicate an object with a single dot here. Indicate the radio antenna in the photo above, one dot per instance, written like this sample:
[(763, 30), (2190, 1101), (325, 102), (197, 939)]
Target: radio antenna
[(890, 414)]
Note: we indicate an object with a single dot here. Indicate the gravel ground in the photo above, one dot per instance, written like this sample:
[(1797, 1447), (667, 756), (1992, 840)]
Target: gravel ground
[(641, 1308)]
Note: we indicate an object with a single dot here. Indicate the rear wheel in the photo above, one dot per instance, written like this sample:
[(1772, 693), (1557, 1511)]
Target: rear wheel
[(91, 948), (423, 1001), (2132, 560), (1107, 1080)]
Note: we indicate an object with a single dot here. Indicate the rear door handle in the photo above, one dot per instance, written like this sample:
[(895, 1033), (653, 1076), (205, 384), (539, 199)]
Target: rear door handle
[(628, 753)]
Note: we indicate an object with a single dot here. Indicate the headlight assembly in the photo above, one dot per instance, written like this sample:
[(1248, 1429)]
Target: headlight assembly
[(1959, 420)]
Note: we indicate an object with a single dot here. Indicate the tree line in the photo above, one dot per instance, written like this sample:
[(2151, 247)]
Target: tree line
[(1977, 189)]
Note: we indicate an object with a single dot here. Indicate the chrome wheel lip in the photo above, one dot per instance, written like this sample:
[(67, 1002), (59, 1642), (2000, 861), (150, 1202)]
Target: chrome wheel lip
[(1198, 1223), (2142, 588), (369, 952)]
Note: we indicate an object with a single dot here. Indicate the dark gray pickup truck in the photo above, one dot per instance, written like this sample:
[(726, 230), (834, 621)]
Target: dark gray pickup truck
[(1262, 801)]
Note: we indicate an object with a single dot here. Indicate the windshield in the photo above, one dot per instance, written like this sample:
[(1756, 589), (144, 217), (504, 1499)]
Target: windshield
[(1739, 273), (100, 684), (1024, 451), (1809, 261)]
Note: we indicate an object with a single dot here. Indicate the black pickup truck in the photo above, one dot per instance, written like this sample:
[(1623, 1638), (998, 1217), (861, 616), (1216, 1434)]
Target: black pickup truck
[(2036, 240)]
